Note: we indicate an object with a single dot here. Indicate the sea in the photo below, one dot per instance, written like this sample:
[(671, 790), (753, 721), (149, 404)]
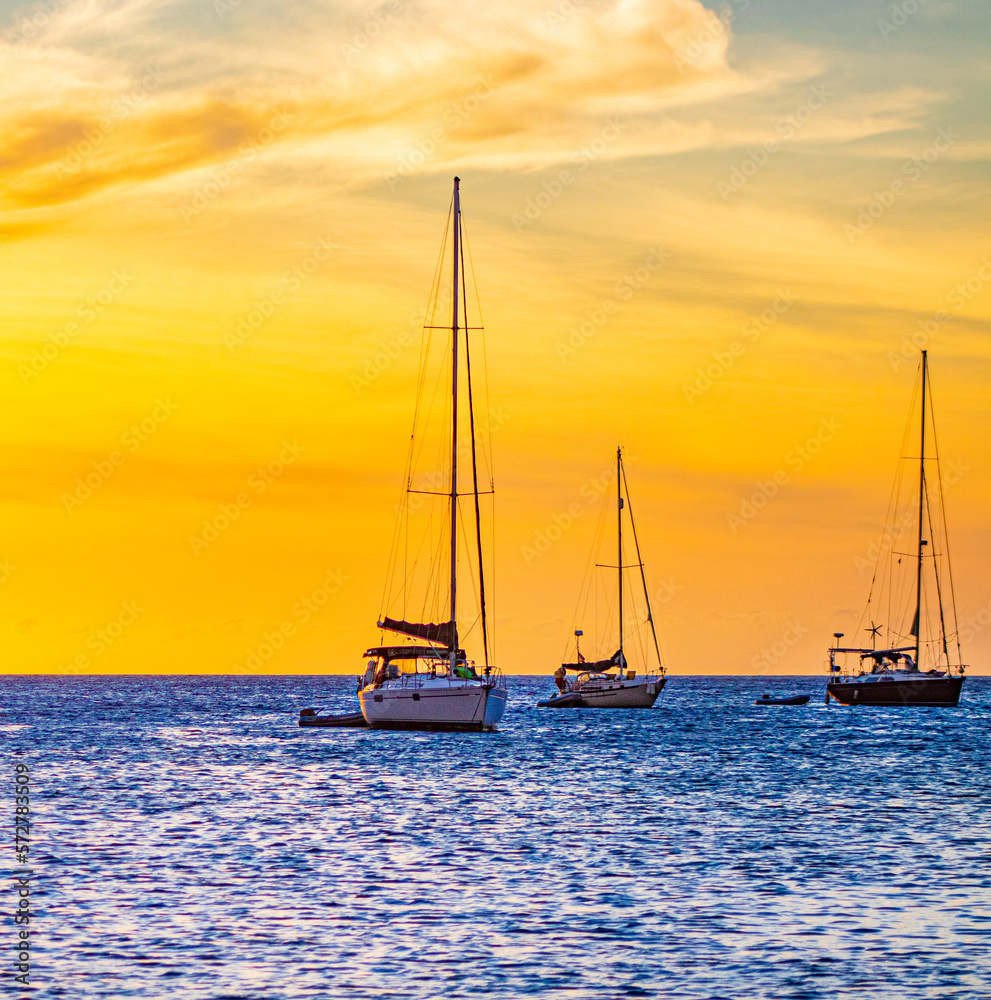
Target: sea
[(189, 840)]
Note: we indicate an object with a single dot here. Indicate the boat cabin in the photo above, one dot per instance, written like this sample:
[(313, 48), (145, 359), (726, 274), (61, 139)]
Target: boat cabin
[(392, 663)]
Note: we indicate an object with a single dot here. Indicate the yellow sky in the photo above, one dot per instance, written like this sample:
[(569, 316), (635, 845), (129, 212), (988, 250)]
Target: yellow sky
[(220, 226)]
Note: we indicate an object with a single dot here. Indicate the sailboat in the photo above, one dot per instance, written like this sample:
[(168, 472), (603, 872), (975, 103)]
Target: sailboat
[(918, 662), (610, 683), (427, 681)]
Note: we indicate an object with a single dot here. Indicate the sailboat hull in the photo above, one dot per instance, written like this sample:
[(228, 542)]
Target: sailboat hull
[(616, 694), (937, 692), (454, 707)]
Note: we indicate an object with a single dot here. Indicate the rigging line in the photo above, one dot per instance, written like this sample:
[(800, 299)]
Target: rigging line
[(466, 247), (471, 575), (432, 605), (889, 518), (414, 463), (643, 575), (438, 493), (409, 579), (939, 588), (410, 570), (605, 637), (401, 531), (439, 390), (432, 304), (411, 563), (435, 303), (932, 544), (474, 473), (587, 577), (945, 535), (885, 581)]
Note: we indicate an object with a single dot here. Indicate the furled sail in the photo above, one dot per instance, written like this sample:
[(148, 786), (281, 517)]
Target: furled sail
[(444, 632), (618, 659)]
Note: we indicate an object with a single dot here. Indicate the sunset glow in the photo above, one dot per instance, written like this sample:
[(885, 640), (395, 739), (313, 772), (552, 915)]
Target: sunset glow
[(716, 236)]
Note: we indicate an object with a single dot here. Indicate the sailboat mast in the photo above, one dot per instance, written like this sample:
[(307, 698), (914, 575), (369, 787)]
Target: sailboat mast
[(454, 421), (619, 536), (922, 496)]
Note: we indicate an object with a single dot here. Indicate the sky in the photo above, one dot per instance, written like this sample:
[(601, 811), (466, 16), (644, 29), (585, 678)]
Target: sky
[(715, 235)]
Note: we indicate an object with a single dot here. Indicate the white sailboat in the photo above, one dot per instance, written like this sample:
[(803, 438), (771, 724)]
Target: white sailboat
[(918, 662), (428, 681), (610, 683)]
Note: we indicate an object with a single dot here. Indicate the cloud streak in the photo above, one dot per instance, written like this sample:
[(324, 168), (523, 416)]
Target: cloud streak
[(81, 118)]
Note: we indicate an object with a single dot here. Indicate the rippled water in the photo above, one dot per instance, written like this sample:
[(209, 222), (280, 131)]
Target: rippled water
[(192, 841)]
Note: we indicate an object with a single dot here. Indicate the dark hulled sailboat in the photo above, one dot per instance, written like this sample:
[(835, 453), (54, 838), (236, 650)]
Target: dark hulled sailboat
[(919, 666)]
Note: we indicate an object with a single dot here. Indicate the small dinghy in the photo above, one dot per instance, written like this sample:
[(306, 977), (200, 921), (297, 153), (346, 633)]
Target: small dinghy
[(352, 720), (568, 700), (795, 699)]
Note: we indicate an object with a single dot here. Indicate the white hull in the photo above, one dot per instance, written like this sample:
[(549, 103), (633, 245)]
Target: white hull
[(434, 703), (624, 694), (637, 693)]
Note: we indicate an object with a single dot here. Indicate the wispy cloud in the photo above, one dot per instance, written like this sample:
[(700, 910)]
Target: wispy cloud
[(550, 74)]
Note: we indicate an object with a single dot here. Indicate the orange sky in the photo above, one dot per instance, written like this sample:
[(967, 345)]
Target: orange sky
[(220, 226)]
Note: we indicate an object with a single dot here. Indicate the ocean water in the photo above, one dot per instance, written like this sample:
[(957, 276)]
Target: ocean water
[(189, 840)]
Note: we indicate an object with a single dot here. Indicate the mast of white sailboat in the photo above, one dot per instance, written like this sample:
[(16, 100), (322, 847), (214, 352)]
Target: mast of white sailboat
[(619, 536), (454, 424), (922, 496)]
